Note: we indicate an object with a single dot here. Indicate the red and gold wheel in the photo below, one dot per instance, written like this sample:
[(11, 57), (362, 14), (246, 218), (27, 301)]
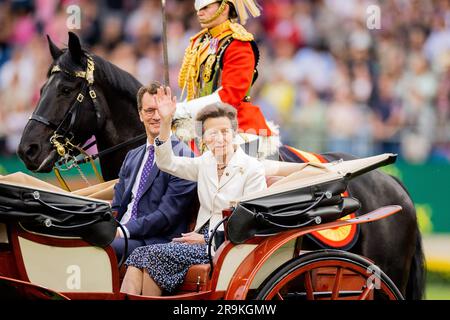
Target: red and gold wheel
[(328, 275)]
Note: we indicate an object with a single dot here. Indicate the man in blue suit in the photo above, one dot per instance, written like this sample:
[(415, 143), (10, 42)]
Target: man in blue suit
[(152, 205)]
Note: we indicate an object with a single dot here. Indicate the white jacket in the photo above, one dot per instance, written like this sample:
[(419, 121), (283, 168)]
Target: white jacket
[(244, 175)]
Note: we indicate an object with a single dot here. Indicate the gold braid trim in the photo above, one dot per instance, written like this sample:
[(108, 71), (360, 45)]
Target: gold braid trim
[(188, 71), (185, 79), (240, 33)]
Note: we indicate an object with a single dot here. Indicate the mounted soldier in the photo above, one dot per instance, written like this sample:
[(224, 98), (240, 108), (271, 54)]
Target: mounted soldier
[(220, 66)]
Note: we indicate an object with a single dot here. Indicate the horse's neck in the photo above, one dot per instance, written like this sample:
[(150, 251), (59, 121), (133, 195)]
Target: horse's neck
[(122, 122), (121, 126)]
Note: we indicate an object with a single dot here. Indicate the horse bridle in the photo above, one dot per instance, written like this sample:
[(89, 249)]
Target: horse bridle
[(61, 138)]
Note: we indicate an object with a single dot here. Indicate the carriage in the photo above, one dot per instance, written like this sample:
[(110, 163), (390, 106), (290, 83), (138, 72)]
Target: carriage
[(55, 244)]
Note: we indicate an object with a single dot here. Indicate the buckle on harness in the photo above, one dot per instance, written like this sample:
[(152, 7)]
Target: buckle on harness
[(92, 94), (80, 97)]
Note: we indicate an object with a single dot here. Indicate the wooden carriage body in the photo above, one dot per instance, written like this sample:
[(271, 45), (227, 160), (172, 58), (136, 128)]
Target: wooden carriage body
[(36, 264)]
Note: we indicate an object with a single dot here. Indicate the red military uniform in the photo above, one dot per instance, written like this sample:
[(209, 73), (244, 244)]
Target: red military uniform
[(237, 76), (220, 65)]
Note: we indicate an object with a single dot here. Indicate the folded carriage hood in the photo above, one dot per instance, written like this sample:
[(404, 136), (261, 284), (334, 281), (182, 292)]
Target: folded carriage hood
[(311, 174)]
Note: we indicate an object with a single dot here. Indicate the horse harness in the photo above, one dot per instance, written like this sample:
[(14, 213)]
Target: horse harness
[(62, 138), (60, 133)]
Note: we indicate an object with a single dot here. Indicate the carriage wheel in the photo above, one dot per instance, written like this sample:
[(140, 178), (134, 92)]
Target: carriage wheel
[(328, 275)]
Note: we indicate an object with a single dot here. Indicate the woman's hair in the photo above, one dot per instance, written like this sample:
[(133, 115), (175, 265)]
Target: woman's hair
[(215, 110)]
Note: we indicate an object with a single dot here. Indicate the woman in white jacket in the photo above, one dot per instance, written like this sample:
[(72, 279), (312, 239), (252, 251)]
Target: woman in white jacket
[(223, 173)]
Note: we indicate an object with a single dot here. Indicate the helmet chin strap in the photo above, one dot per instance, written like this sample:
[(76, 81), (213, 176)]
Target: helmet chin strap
[(216, 14)]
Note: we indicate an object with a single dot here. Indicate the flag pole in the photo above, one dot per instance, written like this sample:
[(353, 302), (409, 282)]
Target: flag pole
[(164, 43)]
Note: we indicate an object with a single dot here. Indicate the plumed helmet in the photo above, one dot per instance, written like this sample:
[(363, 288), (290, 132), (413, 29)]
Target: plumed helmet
[(243, 7)]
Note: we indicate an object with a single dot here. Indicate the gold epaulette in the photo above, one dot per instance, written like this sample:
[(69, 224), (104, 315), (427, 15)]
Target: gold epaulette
[(198, 35), (240, 33)]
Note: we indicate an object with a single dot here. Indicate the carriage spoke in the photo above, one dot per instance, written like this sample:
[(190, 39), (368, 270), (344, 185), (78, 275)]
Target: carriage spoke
[(309, 286), (337, 283), (366, 291), (280, 297)]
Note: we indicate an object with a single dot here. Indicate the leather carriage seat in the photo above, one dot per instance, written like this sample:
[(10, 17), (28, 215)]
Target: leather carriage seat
[(196, 278)]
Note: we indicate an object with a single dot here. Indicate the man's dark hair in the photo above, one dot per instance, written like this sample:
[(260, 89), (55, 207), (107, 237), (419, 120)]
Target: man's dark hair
[(151, 89)]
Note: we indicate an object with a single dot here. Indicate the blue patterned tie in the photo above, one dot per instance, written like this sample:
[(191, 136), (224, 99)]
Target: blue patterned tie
[(144, 177)]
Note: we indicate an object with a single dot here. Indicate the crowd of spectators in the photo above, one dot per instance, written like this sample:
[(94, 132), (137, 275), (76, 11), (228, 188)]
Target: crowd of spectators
[(326, 77)]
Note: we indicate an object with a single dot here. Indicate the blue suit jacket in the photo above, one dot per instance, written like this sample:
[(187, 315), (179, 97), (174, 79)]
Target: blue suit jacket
[(162, 211)]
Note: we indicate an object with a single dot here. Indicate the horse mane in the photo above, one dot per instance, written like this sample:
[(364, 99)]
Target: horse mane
[(120, 80), (105, 72)]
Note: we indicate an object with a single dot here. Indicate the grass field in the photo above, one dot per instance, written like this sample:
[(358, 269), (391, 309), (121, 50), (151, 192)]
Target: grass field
[(437, 290)]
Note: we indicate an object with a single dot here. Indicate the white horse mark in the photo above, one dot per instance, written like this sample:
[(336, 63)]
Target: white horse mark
[(373, 20), (74, 19), (374, 279), (74, 280)]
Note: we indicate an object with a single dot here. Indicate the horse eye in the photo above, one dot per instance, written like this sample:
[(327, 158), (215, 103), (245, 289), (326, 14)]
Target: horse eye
[(65, 90)]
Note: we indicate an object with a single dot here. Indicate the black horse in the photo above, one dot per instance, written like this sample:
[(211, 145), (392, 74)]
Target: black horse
[(117, 121), (394, 244)]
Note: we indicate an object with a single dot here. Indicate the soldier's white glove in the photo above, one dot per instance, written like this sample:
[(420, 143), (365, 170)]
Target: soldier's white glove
[(189, 109)]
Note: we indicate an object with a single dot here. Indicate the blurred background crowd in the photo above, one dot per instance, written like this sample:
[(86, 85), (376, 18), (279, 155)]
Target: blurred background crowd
[(328, 81)]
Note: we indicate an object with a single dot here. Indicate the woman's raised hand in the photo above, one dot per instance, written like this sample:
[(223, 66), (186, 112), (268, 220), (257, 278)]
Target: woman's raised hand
[(166, 103)]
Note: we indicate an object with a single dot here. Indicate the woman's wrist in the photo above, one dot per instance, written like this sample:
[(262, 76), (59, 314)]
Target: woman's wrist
[(166, 126)]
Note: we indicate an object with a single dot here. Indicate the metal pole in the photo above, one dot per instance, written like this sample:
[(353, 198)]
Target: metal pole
[(164, 43)]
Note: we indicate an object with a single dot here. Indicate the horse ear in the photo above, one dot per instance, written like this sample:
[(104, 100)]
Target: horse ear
[(54, 50), (75, 47)]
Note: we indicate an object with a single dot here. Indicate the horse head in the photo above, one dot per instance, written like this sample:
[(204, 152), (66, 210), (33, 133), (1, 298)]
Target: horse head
[(68, 111)]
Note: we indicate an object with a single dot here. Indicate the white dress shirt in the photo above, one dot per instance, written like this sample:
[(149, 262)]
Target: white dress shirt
[(242, 176)]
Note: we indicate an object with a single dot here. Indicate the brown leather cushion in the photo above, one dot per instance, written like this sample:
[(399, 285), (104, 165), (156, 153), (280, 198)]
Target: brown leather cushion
[(196, 278)]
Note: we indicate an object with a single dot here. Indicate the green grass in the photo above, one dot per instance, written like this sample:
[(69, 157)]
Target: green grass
[(437, 290)]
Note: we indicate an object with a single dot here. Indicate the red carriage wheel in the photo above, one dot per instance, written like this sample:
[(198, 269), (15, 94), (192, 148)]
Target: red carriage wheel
[(328, 275)]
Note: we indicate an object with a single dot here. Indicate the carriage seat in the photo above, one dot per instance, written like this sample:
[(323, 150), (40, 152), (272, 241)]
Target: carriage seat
[(196, 279)]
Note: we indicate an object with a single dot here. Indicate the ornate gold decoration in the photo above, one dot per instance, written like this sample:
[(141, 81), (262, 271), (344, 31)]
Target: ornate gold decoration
[(240, 33), (55, 68), (217, 31), (88, 74), (207, 71), (189, 70)]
